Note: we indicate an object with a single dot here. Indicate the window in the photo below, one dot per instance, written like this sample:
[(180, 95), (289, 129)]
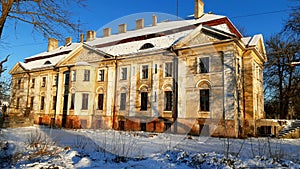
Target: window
[(168, 69), (204, 100), (86, 75), (203, 66), (42, 102), (101, 75), (72, 101), (31, 103), (67, 78), (155, 69), (44, 82), (124, 73), (18, 103), (123, 101), (73, 75), (168, 100), (54, 102), (100, 101), (147, 46), (144, 100), (85, 101), (145, 72), (19, 83), (55, 80), (32, 83)]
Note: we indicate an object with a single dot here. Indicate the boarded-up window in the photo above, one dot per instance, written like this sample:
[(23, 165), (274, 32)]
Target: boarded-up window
[(123, 101), (85, 101), (86, 75)]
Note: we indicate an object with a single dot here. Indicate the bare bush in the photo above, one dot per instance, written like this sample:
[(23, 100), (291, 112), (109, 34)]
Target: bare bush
[(40, 145), (81, 142)]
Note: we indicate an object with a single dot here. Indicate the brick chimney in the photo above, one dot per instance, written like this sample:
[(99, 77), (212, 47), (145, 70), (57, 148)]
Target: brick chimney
[(154, 20), (68, 41), (90, 35), (81, 38), (199, 9), (52, 44), (122, 28), (140, 24), (106, 32)]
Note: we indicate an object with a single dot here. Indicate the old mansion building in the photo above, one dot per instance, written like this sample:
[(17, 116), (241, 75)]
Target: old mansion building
[(191, 75)]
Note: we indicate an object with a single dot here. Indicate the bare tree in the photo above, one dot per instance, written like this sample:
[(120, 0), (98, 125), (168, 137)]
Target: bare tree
[(281, 77), (48, 17)]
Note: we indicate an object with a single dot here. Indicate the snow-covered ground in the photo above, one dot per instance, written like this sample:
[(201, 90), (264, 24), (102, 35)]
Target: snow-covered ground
[(42, 147)]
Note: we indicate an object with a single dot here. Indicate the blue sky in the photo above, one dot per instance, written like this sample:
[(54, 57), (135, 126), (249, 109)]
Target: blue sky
[(255, 17)]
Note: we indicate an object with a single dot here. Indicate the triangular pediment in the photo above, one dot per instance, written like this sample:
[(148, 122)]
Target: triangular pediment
[(18, 68), (84, 54), (202, 35)]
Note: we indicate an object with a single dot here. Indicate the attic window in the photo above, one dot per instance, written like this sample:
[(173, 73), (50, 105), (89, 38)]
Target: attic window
[(47, 62), (147, 46)]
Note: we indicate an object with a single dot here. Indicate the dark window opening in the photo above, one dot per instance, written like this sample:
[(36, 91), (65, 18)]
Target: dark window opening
[(42, 103), (54, 103), (204, 65), (204, 100), (147, 46), (72, 101), (144, 100), (145, 72), (100, 101), (168, 100), (143, 126), (101, 75)]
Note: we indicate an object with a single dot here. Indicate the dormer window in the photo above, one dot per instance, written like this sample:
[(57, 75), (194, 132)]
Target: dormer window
[(47, 62), (147, 46)]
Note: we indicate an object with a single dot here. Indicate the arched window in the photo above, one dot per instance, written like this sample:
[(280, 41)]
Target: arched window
[(204, 94), (47, 63), (147, 46)]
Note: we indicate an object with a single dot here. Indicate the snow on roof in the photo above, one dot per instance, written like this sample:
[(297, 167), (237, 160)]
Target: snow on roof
[(160, 27), (252, 41), (43, 63), (60, 49), (135, 46)]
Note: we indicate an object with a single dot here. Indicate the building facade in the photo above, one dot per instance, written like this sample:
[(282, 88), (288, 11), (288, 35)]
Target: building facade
[(198, 76)]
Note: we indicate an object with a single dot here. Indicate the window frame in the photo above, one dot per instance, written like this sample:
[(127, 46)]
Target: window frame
[(73, 78), (100, 103), (85, 101), (44, 81), (123, 100), (144, 71), (72, 104), (204, 100), (144, 101), (86, 75), (168, 69), (203, 65), (42, 105), (124, 73), (168, 101), (101, 75)]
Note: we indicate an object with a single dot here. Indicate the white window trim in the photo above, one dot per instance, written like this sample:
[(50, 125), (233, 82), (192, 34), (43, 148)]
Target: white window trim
[(127, 73), (98, 75), (141, 71)]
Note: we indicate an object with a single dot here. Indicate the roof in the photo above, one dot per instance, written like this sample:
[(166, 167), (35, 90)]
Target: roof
[(58, 51), (160, 27)]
